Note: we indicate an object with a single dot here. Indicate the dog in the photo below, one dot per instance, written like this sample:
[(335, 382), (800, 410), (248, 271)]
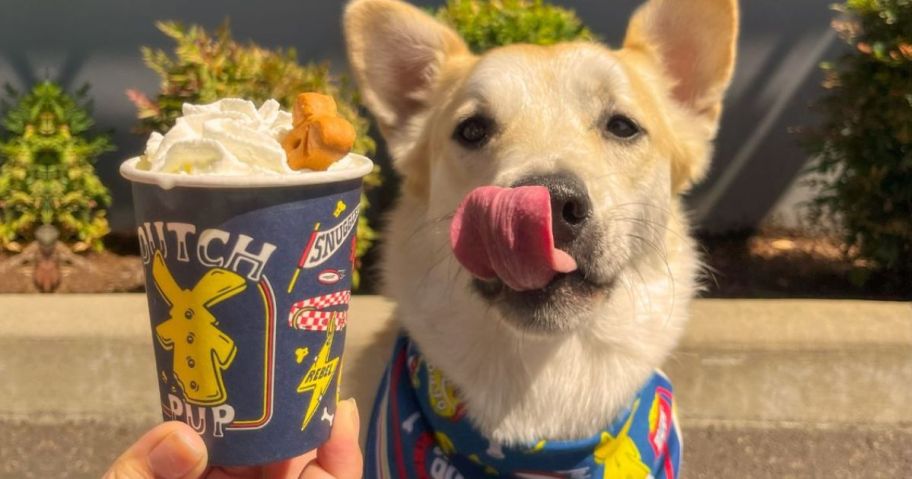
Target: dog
[(539, 253)]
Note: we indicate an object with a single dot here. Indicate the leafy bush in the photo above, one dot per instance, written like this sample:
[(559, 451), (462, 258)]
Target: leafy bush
[(485, 24), (864, 147), (47, 175), (206, 67)]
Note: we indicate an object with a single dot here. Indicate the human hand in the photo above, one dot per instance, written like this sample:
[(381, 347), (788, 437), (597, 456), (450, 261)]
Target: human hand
[(174, 451)]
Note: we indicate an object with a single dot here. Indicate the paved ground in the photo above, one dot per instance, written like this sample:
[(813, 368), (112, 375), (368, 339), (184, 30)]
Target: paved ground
[(845, 452), (84, 449), (766, 389)]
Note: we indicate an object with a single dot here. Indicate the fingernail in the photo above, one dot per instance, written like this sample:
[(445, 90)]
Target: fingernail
[(176, 455)]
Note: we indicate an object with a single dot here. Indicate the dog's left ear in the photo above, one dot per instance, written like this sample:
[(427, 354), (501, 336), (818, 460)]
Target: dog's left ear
[(694, 42)]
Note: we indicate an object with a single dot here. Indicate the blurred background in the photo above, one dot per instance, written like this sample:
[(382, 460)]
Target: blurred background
[(809, 196), (753, 209)]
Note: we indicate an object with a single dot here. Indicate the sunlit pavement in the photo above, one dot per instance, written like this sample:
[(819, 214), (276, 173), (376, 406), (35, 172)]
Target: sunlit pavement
[(764, 388)]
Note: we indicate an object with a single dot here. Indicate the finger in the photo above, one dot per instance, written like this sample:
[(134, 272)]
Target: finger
[(291, 468), (287, 469), (169, 451), (340, 456), (239, 472)]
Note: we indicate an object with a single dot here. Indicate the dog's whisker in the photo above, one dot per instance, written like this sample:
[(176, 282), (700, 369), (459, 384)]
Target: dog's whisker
[(657, 228), (664, 254), (453, 280), (650, 224), (607, 175), (707, 270), (441, 255), (429, 223), (641, 203), (645, 291)]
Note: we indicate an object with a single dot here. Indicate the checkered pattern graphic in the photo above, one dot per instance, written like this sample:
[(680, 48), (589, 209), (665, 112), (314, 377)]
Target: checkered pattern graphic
[(310, 314)]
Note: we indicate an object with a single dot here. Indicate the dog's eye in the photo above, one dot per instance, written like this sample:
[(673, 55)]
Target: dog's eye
[(474, 131), (622, 127)]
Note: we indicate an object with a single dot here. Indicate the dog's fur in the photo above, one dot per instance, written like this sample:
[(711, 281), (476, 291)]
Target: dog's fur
[(565, 370)]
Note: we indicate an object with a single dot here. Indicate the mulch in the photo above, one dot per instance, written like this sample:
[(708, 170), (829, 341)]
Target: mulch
[(82, 273), (785, 264)]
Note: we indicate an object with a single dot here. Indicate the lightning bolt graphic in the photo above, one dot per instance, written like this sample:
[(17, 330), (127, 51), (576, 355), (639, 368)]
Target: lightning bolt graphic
[(320, 374)]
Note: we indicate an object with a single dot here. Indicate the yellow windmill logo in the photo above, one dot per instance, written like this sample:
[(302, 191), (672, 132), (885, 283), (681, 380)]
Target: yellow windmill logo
[(201, 352), (620, 455)]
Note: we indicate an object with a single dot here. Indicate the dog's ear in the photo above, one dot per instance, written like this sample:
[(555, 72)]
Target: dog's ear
[(397, 52), (694, 43)]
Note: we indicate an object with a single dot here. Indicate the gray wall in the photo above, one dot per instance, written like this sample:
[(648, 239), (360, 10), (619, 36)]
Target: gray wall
[(97, 41)]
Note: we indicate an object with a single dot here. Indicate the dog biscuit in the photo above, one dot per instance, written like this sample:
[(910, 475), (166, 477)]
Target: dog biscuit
[(320, 136)]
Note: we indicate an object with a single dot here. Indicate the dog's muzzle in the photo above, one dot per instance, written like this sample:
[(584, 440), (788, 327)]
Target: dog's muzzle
[(530, 248), (571, 207), (506, 234)]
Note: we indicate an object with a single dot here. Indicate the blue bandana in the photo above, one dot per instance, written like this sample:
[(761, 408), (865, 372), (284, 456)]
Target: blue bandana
[(418, 430)]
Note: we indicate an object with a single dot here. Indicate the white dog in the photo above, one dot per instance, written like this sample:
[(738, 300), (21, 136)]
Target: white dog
[(538, 254)]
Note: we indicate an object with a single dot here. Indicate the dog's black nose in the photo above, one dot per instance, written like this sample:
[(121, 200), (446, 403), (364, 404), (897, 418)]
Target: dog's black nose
[(571, 207)]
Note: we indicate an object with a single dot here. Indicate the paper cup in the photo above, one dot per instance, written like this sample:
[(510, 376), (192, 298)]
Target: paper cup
[(248, 283)]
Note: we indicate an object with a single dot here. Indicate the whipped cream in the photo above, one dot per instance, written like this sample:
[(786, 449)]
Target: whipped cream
[(229, 137)]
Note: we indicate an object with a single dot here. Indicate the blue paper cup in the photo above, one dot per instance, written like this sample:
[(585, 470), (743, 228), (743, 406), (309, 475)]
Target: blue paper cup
[(248, 283)]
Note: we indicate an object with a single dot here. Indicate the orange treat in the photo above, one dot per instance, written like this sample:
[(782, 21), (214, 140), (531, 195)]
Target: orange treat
[(308, 105), (320, 136)]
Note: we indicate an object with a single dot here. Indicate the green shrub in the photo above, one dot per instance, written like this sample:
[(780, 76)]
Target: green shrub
[(485, 24), (206, 67), (47, 175), (863, 149)]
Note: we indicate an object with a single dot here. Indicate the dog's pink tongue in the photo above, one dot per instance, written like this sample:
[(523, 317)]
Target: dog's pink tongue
[(506, 233)]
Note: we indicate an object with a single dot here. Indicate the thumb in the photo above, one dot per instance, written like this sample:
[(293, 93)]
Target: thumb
[(169, 451), (339, 457)]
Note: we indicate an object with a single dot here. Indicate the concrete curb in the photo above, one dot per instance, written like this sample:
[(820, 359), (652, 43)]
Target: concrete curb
[(747, 361), (786, 324)]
